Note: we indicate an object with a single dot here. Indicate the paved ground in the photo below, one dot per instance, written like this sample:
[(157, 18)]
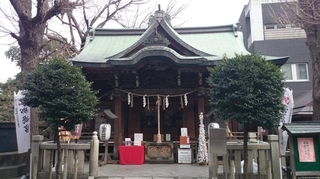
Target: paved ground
[(153, 171)]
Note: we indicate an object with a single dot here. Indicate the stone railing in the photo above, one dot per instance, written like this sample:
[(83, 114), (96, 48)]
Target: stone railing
[(44, 158), (264, 157)]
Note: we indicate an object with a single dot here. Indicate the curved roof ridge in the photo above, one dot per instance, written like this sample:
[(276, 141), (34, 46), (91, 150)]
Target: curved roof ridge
[(156, 50), (169, 29), (143, 37), (154, 23)]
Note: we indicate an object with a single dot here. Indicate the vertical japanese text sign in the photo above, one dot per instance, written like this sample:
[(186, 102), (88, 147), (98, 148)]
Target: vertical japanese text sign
[(22, 119), (287, 100)]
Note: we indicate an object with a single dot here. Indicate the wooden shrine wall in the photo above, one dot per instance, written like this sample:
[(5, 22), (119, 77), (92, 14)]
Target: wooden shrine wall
[(133, 124)]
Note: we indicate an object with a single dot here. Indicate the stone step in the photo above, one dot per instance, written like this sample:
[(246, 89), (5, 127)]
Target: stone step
[(13, 171), (12, 158)]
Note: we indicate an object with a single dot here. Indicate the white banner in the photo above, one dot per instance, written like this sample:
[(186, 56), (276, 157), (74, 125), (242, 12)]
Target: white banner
[(286, 118), (22, 118)]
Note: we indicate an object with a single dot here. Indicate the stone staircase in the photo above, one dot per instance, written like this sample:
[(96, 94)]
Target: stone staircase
[(13, 165)]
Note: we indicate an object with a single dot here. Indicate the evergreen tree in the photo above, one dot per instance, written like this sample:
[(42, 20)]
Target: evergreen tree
[(202, 155), (63, 96), (248, 89), (6, 99)]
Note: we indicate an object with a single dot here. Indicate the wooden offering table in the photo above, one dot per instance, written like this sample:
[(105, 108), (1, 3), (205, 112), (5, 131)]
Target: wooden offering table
[(159, 152), (131, 155)]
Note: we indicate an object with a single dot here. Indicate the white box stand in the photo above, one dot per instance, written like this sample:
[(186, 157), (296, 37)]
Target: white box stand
[(184, 131), (184, 156), (185, 146)]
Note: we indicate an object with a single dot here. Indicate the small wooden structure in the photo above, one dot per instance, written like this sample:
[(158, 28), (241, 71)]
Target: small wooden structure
[(304, 143)]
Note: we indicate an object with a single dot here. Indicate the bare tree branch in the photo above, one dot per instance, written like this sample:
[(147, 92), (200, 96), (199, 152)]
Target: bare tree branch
[(58, 8), (306, 14), (93, 13), (139, 17), (299, 13)]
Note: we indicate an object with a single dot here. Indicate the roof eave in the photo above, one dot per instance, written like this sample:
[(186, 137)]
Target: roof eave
[(279, 61), (304, 128)]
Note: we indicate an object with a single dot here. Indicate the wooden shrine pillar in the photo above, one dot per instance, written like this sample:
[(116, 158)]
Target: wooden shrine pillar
[(201, 94), (200, 105), (117, 127)]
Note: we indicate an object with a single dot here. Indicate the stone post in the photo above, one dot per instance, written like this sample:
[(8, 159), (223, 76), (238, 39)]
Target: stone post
[(275, 156), (35, 147), (232, 169), (65, 163), (94, 155), (216, 145)]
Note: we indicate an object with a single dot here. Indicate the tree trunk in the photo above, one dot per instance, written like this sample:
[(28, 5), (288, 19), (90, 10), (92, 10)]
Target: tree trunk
[(245, 151), (311, 27), (31, 32), (315, 57), (29, 56)]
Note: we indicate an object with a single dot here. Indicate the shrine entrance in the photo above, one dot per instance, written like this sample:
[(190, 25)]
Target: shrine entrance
[(172, 113), (132, 68)]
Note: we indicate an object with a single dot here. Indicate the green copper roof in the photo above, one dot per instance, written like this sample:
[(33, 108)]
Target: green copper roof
[(99, 48), (197, 45), (302, 128), (102, 47), (219, 44)]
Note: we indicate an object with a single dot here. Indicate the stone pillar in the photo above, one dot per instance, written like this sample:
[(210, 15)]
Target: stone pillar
[(34, 160), (275, 156), (232, 169), (94, 155)]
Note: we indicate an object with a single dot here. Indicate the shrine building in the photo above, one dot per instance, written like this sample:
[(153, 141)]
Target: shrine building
[(157, 74)]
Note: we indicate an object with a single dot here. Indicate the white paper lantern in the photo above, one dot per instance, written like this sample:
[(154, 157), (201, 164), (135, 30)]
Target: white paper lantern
[(105, 132)]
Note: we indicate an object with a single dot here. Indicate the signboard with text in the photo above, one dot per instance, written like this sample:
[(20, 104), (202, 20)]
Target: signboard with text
[(307, 153), (306, 150), (22, 120)]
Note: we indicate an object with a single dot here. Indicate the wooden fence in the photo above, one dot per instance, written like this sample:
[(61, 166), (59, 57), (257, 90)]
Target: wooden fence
[(44, 158), (263, 157)]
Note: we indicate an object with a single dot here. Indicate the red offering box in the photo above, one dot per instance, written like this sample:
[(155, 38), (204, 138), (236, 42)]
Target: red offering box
[(184, 140)]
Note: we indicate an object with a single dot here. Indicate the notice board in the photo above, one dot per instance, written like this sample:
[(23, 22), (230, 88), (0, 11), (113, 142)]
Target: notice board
[(307, 153)]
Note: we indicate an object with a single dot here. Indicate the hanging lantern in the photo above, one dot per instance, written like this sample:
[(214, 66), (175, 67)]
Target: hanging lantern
[(129, 100), (105, 132), (144, 100), (167, 101), (185, 99)]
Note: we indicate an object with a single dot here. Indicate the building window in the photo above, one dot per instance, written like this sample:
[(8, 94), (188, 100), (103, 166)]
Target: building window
[(295, 72)]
